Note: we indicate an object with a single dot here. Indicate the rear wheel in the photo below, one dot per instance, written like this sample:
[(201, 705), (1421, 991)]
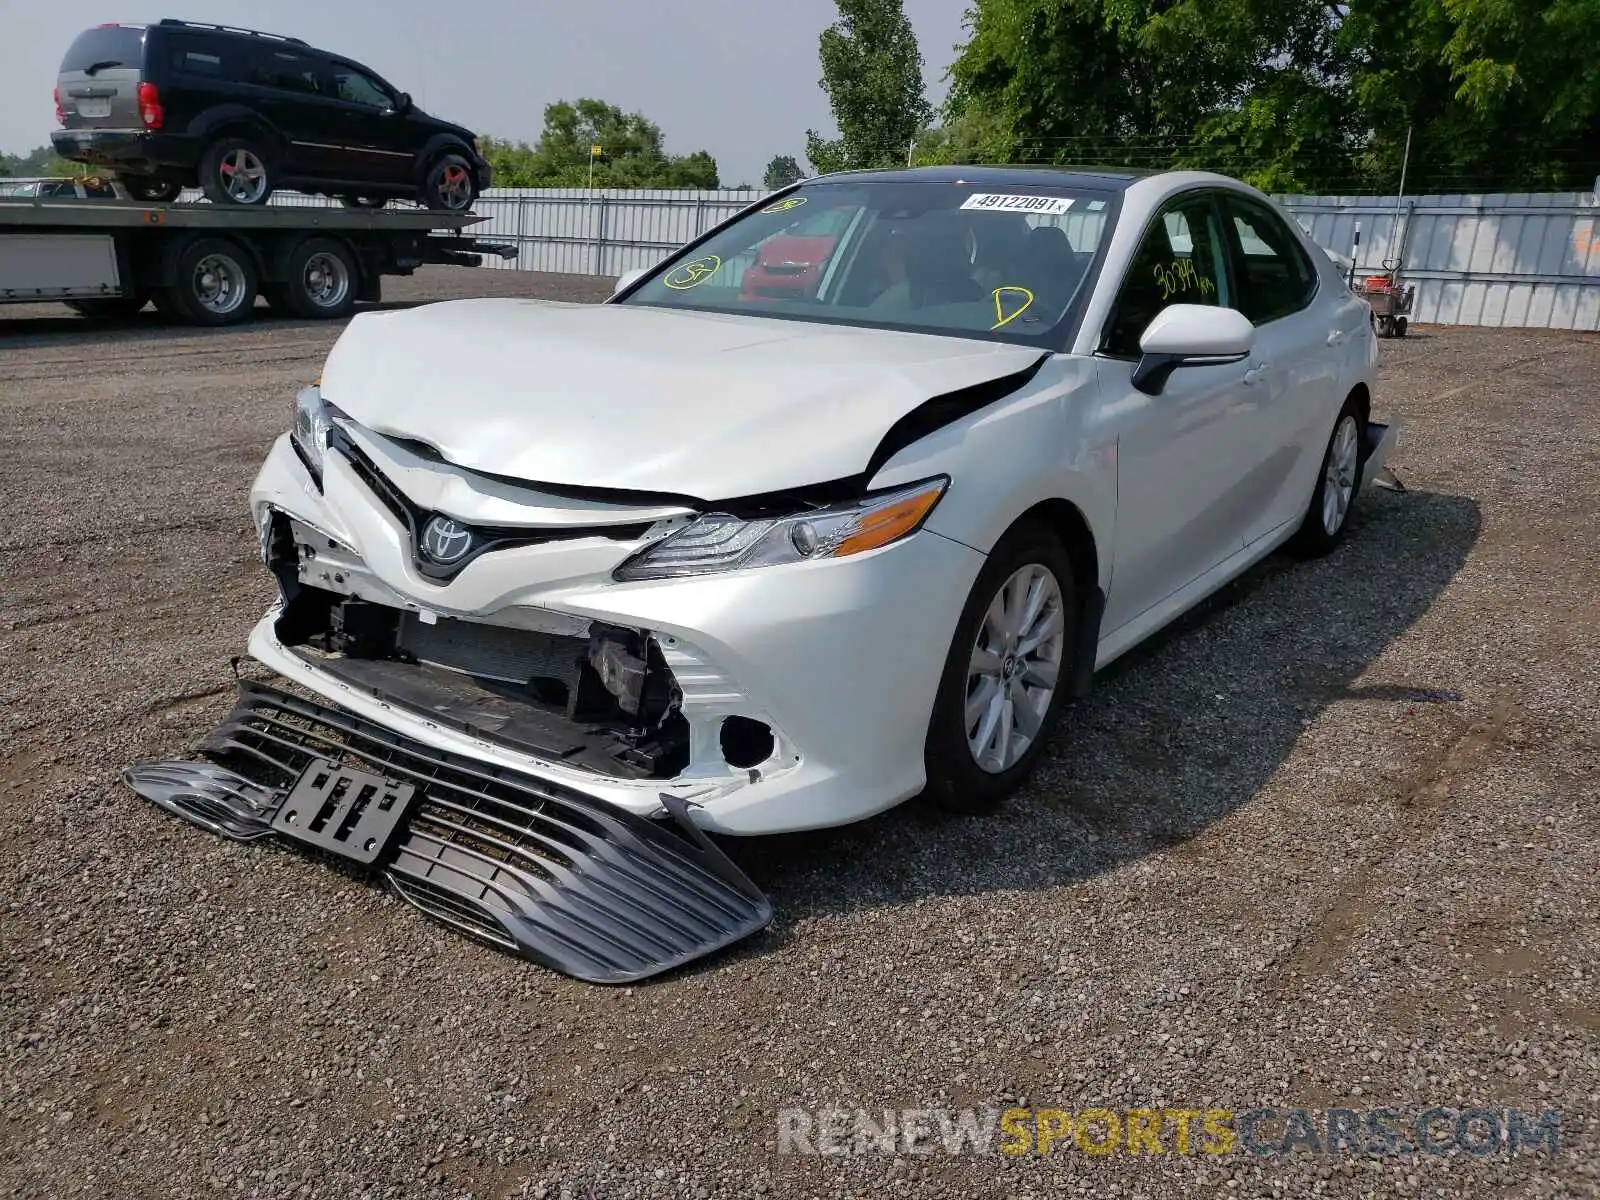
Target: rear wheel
[(449, 184), (1005, 678), (1328, 513), (322, 281), (151, 190), (215, 284), (235, 171)]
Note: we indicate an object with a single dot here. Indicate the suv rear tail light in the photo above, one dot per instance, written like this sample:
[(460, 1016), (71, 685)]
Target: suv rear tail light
[(150, 111), (61, 113)]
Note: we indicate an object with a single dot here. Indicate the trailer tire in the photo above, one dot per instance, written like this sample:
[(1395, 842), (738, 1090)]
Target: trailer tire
[(214, 283), (321, 282), (109, 307)]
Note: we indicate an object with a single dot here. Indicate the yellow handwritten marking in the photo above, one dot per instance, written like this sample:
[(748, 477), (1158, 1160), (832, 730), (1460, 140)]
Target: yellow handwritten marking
[(1181, 276), (785, 204), (693, 273), (1001, 317)]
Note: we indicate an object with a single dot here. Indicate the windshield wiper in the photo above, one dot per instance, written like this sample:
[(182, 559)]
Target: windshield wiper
[(103, 64)]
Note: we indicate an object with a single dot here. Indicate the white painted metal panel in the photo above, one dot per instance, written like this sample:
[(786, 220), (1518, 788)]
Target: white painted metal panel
[(51, 266)]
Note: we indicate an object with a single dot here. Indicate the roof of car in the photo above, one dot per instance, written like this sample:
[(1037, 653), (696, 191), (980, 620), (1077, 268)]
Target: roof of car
[(1106, 178)]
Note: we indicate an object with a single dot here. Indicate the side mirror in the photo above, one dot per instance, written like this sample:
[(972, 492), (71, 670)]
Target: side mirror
[(1190, 335), (628, 278), (402, 104)]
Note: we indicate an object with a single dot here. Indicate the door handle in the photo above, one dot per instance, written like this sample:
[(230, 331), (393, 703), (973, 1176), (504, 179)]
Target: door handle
[(1336, 337)]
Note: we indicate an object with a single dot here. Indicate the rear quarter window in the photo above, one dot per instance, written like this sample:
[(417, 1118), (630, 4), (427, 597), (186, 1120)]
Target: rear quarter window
[(105, 48)]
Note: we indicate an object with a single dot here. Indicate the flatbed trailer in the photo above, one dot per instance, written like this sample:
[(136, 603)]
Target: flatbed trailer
[(205, 264)]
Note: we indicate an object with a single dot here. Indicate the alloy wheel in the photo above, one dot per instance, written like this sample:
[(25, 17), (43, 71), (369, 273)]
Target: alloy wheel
[(243, 175), (1015, 664), (1339, 480)]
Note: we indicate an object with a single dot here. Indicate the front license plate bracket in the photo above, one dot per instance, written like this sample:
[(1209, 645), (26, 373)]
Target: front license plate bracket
[(346, 812)]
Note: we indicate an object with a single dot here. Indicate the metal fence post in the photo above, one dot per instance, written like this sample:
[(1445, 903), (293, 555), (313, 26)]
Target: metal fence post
[(600, 239), (699, 215), (522, 226)]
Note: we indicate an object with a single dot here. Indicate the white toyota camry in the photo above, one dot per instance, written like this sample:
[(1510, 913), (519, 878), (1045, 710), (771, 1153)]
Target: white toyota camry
[(839, 503)]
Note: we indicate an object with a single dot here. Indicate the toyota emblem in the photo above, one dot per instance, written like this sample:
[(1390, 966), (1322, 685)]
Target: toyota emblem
[(445, 542)]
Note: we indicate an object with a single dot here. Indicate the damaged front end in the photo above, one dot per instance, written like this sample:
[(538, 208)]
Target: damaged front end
[(559, 688), (538, 869)]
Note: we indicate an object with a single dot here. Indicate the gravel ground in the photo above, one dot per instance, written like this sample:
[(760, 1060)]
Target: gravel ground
[(1333, 841)]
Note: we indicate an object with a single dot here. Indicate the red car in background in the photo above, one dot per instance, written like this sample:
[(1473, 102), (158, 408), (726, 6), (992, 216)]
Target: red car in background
[(791, 263)]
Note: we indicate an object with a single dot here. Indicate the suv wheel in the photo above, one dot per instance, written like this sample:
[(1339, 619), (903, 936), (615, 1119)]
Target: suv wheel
[(234, 171), (449, 184), (152, 190)]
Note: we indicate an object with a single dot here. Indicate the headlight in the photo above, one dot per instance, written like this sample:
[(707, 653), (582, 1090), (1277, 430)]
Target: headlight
[(313, 420), (719, 542)]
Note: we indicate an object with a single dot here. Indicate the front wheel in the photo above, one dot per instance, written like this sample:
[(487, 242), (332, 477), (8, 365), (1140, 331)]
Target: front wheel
[(449, 184), (1006, 674), (1328, 513)]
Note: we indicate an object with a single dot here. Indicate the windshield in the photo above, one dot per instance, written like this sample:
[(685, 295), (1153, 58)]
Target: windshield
[(1005, 263)]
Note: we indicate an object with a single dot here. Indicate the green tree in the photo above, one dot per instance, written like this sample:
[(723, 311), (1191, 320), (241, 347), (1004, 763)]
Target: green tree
[(781, 171), (872, 72), (631, 152), (37, 163), (1293, 95)]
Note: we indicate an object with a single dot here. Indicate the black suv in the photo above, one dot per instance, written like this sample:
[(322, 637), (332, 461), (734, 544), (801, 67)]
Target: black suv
[(240, 113)]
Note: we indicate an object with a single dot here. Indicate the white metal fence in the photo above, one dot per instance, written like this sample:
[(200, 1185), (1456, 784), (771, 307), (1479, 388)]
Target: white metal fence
[(1525, 259)]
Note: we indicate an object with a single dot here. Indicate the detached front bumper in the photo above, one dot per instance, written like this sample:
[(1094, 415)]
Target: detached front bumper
[(542, 871)]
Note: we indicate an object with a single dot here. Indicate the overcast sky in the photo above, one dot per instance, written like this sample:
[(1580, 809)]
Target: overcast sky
[(735, 77)]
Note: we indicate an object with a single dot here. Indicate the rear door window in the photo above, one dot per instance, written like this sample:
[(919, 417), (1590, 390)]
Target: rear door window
[(1276, 277), (285, 71)]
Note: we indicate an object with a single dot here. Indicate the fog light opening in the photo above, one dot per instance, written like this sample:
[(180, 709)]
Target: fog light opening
[(746, 742)]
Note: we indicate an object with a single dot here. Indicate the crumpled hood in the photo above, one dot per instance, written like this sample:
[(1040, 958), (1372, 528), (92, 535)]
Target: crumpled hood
[(647, 399)]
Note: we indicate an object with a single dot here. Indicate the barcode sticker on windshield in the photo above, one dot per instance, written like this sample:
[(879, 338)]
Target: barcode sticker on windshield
[(1051, 206)]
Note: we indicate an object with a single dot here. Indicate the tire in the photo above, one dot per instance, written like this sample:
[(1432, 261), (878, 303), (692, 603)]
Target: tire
[(366, 202), (1325, 522), (236, 171), (150, 190), (449, 184), (322, 281), (1400, 326), (109, 307), (215, 284), (957, 781)]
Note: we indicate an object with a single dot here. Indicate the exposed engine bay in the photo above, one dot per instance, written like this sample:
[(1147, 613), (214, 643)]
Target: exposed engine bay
[(587, 694)]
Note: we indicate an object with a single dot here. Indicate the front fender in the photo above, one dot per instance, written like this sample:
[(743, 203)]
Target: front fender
[(1047, 442), (438, 144)]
